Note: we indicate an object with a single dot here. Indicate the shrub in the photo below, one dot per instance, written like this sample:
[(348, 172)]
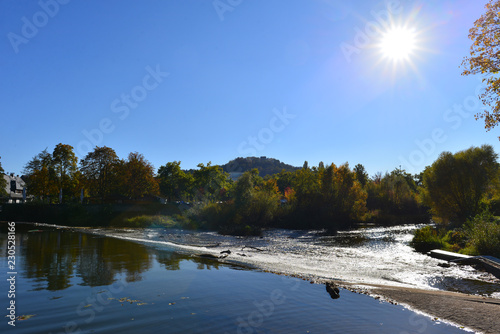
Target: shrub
[(426, 239), (483, 232), (149, 221)]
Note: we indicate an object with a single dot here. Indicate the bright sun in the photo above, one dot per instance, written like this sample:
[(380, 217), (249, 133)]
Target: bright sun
[(398, 43)]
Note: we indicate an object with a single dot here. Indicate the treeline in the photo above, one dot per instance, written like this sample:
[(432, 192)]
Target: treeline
[(460, 191), (323, 196), (101, 176)]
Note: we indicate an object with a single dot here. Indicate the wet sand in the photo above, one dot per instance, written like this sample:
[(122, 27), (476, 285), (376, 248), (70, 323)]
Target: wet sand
[(478, 313)]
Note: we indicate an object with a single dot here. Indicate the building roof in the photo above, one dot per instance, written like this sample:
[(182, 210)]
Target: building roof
[(20, 184)]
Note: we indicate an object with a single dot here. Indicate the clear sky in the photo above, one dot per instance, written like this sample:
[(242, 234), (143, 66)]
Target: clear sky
[(205, 80)]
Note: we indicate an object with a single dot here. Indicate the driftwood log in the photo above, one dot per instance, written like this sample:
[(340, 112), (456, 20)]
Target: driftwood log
[(333, 290)]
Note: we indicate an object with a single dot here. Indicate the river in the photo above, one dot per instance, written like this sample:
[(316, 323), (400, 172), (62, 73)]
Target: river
[(374, 255), (67, 280)]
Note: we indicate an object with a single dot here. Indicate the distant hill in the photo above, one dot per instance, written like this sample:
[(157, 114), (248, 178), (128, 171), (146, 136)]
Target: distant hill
[(266, 166)]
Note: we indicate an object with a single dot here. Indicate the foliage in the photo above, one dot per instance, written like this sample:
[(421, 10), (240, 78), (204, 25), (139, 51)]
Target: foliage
[(255, 204), (151, 221), (262, 206), (457, 186), (331, 197), (284, 180), (328, 197), (40, 176), (483, 233), (427, 239), (484, 59), (65, 165), (479, 236), (137, 177), (210, 182), (175, 184), (47, 175), (99, 172), (361, 174), (3, 182), (395, 197)]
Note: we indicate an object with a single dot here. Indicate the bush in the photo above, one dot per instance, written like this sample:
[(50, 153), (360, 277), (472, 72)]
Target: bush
[(483, 232), (427, 238), (149, 221)]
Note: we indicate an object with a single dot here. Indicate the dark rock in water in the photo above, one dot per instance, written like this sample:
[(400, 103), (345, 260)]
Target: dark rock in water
[(211, 256), (333, 290), (444, 265), (208, 256)]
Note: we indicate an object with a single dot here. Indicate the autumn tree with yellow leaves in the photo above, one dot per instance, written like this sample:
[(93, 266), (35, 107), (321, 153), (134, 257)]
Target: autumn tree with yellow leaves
[(484, 59)]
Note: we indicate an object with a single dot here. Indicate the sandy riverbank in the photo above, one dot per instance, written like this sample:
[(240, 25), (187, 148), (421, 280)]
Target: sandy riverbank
[(481, 314)]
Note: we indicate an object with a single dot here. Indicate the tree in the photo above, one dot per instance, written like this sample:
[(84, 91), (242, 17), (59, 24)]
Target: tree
[(211, 182), (255, 201), (361, 174), (394, 193), (65, 164), (330, 197), (284, 180), (175, 184), (3, 182), (343, 194), (457, 186), (137, 177), (98, 170), (40, 176), (485, 59)]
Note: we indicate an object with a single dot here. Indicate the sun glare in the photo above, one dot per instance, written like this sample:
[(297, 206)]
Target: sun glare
[(398, 43)]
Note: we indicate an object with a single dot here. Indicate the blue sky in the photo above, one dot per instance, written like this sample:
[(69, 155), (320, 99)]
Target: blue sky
[(200, 81)]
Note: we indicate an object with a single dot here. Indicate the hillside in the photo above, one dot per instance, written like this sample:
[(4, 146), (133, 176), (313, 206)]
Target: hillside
[(266, 166)]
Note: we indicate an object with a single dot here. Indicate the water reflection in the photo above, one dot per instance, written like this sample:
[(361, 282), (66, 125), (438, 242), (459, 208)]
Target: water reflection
[(53, 258), (171, 260)]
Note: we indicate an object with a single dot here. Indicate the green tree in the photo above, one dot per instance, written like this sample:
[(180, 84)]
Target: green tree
[(255, 201), (457, 186), (211, 182), (137, 177), (243, 189), (175, 184), (41, 176), (329, 197), (306, 186), (361, 174), (65, 165), (343, 195), (394, 195), (99, 172), (284, 180), (484, 59), (3, 182)]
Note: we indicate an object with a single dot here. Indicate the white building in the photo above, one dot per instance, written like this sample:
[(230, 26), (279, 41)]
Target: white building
[(14, 188)]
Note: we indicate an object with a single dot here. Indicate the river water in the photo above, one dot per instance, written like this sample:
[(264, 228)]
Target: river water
[(376, 255), (95, 281)]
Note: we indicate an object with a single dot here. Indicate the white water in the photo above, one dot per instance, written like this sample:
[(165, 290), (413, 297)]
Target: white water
[(367, 256)]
